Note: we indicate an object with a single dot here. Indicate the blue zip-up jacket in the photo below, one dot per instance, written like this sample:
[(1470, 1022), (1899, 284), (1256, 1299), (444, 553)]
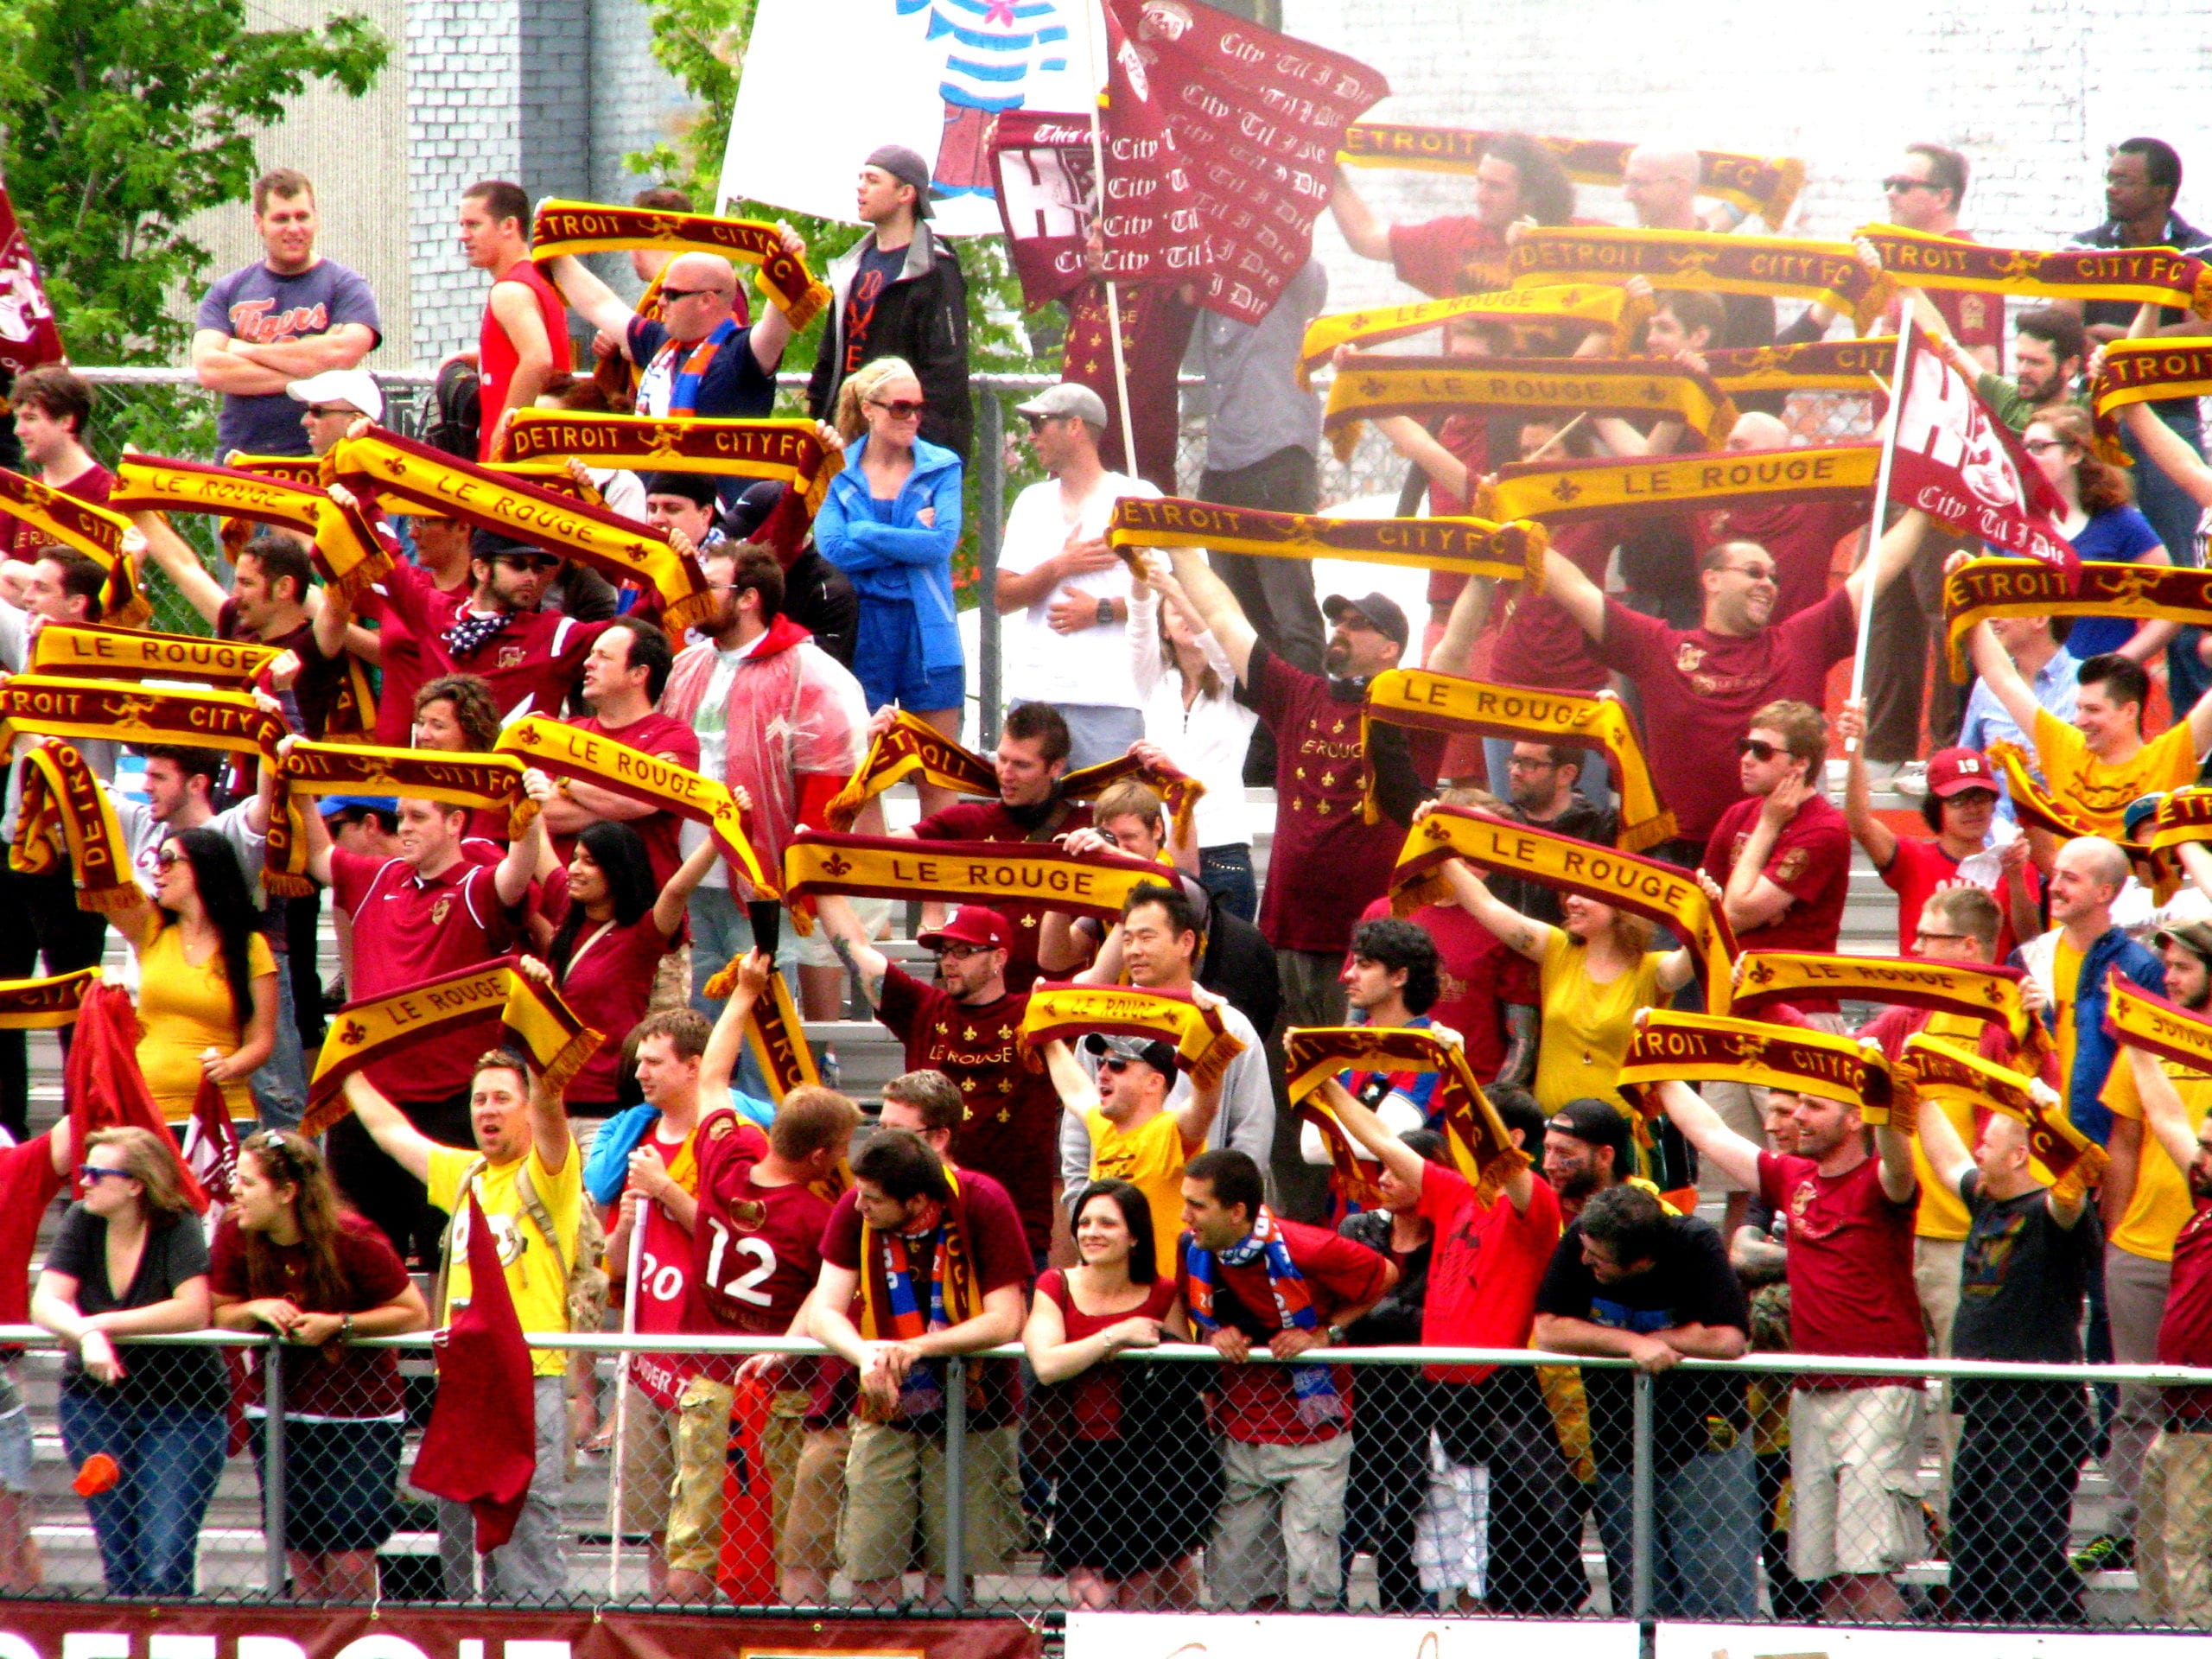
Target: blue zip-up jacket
[(2095, 1052), (900, 559)]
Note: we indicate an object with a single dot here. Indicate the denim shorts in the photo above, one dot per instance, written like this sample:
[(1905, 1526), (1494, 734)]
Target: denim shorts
[(15, 1436)]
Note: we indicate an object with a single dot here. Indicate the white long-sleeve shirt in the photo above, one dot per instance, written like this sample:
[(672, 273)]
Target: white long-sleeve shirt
[(1205, 740)]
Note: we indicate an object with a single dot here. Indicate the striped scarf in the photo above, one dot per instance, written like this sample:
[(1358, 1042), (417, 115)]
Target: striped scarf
[(913, 1300), (1316, 1385)]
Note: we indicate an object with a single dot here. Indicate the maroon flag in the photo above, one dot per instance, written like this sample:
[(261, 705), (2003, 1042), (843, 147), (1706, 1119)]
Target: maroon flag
[(1964, 468), (211, 1145), (28, 335), (104, 1088), (480, 1448)]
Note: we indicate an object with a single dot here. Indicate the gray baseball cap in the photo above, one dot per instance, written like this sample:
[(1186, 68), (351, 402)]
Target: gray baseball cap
[(1069, 397)]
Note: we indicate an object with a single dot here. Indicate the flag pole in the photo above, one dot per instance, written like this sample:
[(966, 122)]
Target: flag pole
[(622, 1399), (1112, 291), (1881, 506)]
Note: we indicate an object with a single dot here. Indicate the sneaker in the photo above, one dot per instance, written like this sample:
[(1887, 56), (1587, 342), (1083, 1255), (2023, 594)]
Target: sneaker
[(2105, 1553), (1911, 780)]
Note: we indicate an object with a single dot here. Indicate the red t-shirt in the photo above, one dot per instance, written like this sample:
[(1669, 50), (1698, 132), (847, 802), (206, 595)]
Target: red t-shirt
[(1539, 644), (1802, 538), (1328, 862), (496, 359), (1258, 1404), (531, 664), (991, 821), (1975, 316), (756, 1252), (28, 1184), (1851, 1289), (1000, 1254), (1488, 1263), (1889, 1029), (20, 540), (1810, 861), (1448, 256), (1095, 1395), (408, 929), (1920, 866), (1701, 690), (341, 1384), (1476, 978), (669, 739), (607, 985), (1009, 1116), (2185, 1332)]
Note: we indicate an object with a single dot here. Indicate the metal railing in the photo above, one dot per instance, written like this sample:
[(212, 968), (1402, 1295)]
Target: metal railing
[(1012, 1536)]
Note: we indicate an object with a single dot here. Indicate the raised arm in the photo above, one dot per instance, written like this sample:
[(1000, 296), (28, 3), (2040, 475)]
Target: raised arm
[(1948, 1157), (850, 941), (1892, 552), (1893, 1146), (512, 877), (1565, 583), (674, 900), (771, 330), (1516, 932), (591, 299), (1455, 647), (2163, 1114), (1194, 1118), (726, 1043), (1078, 1094), (1368, 236), (2169, 451), (174, 555), (1880, 841), (1734, 1156), (1401, 1159), (1994, 664), (1216, 608), (397, 1139)]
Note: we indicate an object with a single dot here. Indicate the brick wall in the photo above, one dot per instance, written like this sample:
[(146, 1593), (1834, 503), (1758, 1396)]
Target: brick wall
[(464, 123)]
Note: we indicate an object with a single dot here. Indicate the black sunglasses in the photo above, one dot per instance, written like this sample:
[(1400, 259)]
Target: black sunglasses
[(1758, 747)]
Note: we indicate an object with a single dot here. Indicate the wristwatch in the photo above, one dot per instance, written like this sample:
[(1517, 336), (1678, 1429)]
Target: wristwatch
[(1105, 612)]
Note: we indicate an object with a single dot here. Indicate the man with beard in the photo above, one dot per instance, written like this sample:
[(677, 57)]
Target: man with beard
[(2049, 351), (1586, 1150), (1541, 789)]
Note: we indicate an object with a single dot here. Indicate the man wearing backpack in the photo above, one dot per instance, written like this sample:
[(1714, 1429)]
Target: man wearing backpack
[(528, 1176)]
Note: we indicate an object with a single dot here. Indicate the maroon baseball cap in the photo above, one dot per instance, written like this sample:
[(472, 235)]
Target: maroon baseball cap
[(971, 924), (1950, 771)]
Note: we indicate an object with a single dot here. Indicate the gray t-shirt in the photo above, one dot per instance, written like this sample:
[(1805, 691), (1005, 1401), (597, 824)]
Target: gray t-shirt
[(1253, 405), (258, 306)]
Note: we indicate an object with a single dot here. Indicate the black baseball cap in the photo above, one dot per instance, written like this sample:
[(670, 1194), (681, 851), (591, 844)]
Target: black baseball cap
[(908, 167), (1378, 608), (1596, 1122)]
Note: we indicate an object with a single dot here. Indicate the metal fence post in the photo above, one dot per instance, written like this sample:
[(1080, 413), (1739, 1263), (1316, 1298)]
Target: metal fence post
[(956, 1481), (272, 1442), (1640, 1501), (990, 530)]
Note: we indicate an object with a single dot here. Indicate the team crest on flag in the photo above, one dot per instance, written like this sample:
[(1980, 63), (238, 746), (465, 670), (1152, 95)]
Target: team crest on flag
[(1961, 466)]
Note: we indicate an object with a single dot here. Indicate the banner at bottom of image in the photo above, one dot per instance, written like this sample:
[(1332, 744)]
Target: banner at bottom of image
[(1890, 1642), (1331, 1636)]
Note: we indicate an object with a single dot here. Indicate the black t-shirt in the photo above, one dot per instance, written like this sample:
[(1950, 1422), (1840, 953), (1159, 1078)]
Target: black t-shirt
[(151, 1376), (2022, 1278), (1691, 1283), (315, 692)]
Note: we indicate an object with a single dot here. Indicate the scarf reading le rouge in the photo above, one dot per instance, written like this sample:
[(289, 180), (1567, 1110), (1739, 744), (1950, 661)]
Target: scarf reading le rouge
[(1598, 305), (88, 652), (1827, 273), (1315, 1386), (351, 551), (592, 227), (982, 872), (2140, 371), (1975, 991), (44, 1004), (61, 797), (1670, 1047), (399, 471), (1767, 186), (1646, 888), (1370, 387), (563, 751), (791, 451), (486, 783), (2141, 276), (1481, 1152), (1931, 1069), (1987, 588), (1471, 547), (365, 1034), (96, 532), (903, 1299), (909, 747), (1559, 492), (1445, 702), (1202, 1047)]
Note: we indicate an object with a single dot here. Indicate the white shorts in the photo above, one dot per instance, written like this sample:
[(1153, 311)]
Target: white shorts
[(1854, 1469)]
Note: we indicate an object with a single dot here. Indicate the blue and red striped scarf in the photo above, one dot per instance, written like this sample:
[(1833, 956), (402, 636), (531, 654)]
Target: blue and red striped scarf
[(1316, 1385), (911, 1300)]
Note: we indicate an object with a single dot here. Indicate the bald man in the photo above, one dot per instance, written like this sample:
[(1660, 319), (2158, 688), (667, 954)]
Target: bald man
[(1660, 183), (697, 357)]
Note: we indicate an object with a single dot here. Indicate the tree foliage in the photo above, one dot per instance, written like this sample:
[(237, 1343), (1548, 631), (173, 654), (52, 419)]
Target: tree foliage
[(125, 117)]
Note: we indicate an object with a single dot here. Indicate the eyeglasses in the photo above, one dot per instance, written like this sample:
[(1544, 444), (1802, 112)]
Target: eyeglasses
[(324, 411), (960, 952), (1758, 747), (1756, 572), (668, 293), (901, 409), (1528, 763), (528, 560), (2043, 446), (1898, 186), (97, 1172)]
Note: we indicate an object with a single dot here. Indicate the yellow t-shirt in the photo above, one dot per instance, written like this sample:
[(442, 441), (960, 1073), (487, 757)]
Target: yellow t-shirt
[(1943, 1214), (535, 1279), (2160, 1205), (2100, 792), (183, 1010), (1150, 1157), (1586, 1024)]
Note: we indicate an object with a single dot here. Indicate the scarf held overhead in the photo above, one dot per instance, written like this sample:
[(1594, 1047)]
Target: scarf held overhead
[(1444, 703), (486, 783), (1482, 1151), (790, 451), (592, 227), (1974, 990), (90, 651), (1557, 493), (984, 872), (1465, 546), (1935, 1070), (44, 1004), (2141, 276), (1983, 588), (1064, 1013), (1826, 273), (349, 549), (1599, 305), (1648, 888), (96, 532), (2140, 372), (1422, 387), (1670, 1047)]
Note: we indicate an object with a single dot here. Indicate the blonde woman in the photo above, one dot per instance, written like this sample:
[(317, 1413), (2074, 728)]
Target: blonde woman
[(130, 1261), (890, 524)]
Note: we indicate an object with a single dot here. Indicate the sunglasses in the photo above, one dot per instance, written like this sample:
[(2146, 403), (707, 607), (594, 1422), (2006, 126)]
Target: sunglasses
[(1037, 422), (1114, 1063), (1898, 187), (1756, 572), (903, 409), (528, 560), (324, 411), (1758, 747), (689, 293), (168, 859), (96, 1173)]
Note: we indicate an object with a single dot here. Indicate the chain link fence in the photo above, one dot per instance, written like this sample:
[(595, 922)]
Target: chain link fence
[(234, 1468)]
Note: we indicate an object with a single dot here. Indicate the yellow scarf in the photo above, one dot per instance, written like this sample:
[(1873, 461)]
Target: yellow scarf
[(790, 450), (1670, 1047), (1426, 386), (1985, 587), (349, 550), (1599, 305), (1203, 1046), (44, 1004), (1481, 1150), (1563, 492), (592, 227), (60, 795), (96, 532), (2158, 276), (1827, 273), (2138, 371), (91, 652), (1468, 546)]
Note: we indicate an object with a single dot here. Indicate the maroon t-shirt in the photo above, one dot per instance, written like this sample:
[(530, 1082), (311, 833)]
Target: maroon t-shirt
[(1328, 862), (321, 678), (341, 1384), (20, 540), (1851, 1289), (1476, 978), (609, 982), (756, 1252), (992, 820), (28, 1184), (670, 739), (1009, 1114), (1701, 690), (2185, 1332), (1448, 256), (1800, 536), (1540, 643), (1095, 1394), (1810, 861), (531, 664)]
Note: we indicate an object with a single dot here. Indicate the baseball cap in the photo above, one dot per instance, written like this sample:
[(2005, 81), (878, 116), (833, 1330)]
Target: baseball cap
[(334, 805), (354, 386), (1069, 397), (1951, 770), (908, 167), (2188, 922), (1153, 1052), (971, 924), (1378, 608), (1596, 1121)]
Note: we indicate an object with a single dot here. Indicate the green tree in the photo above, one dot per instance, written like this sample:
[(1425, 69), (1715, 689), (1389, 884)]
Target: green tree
[(123, 120)]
